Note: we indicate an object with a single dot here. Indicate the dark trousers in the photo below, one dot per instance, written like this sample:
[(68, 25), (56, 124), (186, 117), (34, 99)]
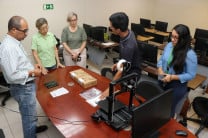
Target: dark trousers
[(179, 91)]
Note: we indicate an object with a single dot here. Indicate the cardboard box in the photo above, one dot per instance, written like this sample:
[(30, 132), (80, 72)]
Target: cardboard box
[(83, 78)]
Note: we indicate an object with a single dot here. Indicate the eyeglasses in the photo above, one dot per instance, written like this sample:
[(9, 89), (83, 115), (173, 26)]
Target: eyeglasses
[(73, 20), (24, 31), (174, 37), (44, 28)]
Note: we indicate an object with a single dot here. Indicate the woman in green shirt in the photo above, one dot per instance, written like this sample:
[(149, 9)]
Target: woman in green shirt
[(44, 47), (74, 41)]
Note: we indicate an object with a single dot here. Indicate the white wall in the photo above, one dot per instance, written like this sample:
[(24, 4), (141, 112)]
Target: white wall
[(96, 12), (193, 13)]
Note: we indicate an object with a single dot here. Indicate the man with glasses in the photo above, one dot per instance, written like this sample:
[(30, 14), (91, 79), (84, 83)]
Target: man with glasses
[(177, 65), (20, 74)]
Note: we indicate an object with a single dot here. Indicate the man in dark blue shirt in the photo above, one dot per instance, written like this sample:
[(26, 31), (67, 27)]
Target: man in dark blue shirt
[(129, 50)]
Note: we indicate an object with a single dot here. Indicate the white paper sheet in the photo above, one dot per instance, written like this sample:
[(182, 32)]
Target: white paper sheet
[(59, 92)]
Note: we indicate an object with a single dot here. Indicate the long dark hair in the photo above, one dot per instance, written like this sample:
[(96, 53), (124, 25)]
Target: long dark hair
[(181, 48)]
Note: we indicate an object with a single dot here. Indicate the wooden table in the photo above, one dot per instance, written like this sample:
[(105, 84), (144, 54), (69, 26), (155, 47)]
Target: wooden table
[(102, 45), (144, 38), (97, 51), (166, 34), (70, 113), (197, 81), (159, 45)]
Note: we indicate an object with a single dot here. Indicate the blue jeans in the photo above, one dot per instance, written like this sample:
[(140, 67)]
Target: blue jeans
[(25, 95)]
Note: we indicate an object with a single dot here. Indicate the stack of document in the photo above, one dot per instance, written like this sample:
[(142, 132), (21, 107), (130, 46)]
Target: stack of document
[(92, 96)]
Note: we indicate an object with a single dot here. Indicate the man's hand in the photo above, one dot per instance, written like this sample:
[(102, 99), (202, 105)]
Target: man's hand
[(114, 67), (36, 72), (104, 94)]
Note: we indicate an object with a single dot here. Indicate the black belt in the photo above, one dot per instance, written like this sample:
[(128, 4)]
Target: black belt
[(31, 81)]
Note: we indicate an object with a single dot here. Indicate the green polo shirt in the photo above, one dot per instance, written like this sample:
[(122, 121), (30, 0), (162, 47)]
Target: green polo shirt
[(73, 39), (44, 45)]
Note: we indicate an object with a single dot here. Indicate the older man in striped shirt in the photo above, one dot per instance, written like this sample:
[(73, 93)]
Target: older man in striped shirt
[(20, 74)]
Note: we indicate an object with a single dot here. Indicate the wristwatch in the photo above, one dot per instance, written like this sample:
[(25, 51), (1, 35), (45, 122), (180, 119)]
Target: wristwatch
[(33, 74)]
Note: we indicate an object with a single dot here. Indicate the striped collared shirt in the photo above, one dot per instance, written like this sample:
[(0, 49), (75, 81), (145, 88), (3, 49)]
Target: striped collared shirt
[(14, 62)]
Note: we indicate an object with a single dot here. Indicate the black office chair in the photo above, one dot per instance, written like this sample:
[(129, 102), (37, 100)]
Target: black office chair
[(145, 22), (138, 29), (200, 33), (159, 38), (2, 134), (60, 49), (200, 106), (107, 71), (4, 89), (147, 90), (161, 26)]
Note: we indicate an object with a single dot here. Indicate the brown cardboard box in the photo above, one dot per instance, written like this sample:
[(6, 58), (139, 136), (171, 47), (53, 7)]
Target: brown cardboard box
[(83, 78)]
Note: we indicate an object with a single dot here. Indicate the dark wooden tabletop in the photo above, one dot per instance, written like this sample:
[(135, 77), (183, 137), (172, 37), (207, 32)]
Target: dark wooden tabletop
[(71, 114)]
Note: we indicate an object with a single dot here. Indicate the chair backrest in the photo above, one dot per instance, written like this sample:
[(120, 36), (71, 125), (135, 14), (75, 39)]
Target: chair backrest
[(200, 106), (107, 72), (138, 29), (2, 80), (87, 29), (145, 22), (161, 26), (148, 90), (58, 41), (200, 33), (98, 33), (115, 38)]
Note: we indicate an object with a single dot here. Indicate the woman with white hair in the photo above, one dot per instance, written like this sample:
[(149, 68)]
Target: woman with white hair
[(74, 41)]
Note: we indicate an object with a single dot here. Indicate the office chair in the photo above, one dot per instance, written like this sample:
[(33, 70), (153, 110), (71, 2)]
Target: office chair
[(102, 27), (199, 34), (138, 29), (87, 29), (159, 38), (161, 26), (200, 106), (60, 49), (4, 89), (107, 71), (2, 134), (147, 90), (98, 33), (145, 22)]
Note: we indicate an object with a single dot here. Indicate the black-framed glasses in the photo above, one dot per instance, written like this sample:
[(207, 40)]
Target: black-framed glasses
[(24, 31)]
